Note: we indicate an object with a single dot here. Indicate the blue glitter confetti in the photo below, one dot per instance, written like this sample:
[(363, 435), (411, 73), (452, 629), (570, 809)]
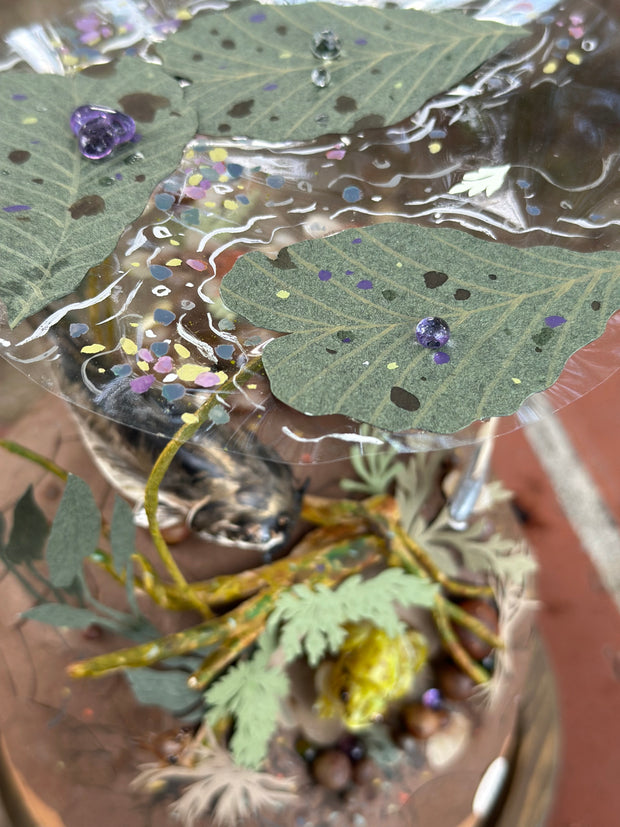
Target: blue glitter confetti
[(121, 370), (164, 316), (172, 392), (225, 351), (159, 272), (191, 216), (532, 210), (242, 199), (276, 182), (521, 182), (160, 348), (352, 194), (163, 200), (234, 170), (78, 329)]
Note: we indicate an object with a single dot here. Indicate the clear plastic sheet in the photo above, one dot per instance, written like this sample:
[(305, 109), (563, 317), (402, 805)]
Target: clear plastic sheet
[(555, 141)]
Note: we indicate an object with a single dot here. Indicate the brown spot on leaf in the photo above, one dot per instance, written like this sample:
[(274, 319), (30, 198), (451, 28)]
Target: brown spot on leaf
[(223, 127), (140, 178), (19, 156), (461, 295), (37, 180), (403, 399), (283, 260), (368, 122), (228, 43), (595, 305), (345, 104), (434, 278), (281, 30), (197, 57), (87, 206), (142, 106), (241, 109)]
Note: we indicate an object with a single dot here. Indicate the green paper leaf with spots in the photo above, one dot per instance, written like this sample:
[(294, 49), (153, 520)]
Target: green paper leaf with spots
[(351, 304), (166, 688), (60, 213), (29, 531), (251, 68)]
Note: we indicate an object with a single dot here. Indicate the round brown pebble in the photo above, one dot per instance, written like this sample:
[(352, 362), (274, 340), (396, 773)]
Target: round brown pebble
[(333, 770), (364, 771), (454, 683), (422, 721), (486, 614), (175, 533)]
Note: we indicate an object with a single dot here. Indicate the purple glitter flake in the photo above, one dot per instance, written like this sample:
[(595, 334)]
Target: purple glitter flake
[(270, 87), (432, 698), (441, 358), (77, 329), (207, 380), (16, 208), (258, 18), (364, 284), (163, 365), (555, 321), (356, 241), (325, 275), (349, 272), (18, 97), (141, 384), (145, 355), (361, 41)]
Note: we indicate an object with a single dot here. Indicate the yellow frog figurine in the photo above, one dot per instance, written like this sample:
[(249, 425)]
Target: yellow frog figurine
[(371, 670)]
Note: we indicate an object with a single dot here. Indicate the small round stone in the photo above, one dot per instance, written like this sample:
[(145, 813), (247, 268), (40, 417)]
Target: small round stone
[(333, 770), (454, 683), (320, 77), (364, 772), (326, 45), (422, 721), (306, 749), (96, 140), (432, 332)]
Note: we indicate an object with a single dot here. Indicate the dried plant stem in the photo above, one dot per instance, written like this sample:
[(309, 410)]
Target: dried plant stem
[(476, 672), (26, 453), (151, 493), (477, 627)]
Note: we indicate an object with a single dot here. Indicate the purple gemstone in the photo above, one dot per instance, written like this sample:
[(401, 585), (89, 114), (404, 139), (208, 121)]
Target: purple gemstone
[(432, 698), (432, 332), (96, 140), (87, 113), (124, 126)]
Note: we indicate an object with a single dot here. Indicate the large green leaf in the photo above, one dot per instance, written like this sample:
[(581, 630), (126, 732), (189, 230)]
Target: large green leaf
[(352, 302), (29, 531), (251, 68), (62, 213)]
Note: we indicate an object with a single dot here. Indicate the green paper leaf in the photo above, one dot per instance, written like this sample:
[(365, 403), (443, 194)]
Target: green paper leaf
[(251, 73), (165, 688), (515, 316), (29, 531), (61, 213), (252, 692), (75, 532), (313, 620), (122, 534)]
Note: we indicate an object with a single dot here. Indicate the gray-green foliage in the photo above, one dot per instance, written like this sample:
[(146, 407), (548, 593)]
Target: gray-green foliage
[(62, 213), (515, 316), (251, 70)]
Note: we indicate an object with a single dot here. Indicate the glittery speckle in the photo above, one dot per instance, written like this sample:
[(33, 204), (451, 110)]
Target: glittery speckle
[(141, 384), (555, 321)]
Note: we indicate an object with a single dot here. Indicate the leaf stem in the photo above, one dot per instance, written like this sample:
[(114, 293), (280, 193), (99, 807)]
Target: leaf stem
[(38, 459), (476, 672), (477, 627)]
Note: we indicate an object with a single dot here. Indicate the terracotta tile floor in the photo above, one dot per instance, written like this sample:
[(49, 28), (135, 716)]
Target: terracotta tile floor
[(578, 619)]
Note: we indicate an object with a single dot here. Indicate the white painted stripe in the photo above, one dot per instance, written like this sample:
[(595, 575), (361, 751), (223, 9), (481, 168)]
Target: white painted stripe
[(577, 494)]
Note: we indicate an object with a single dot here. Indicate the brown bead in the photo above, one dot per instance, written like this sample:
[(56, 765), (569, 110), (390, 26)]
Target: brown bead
[(454, 683), (175, 533), (364, 771), (486, 614), (422, 721), (333, 770)]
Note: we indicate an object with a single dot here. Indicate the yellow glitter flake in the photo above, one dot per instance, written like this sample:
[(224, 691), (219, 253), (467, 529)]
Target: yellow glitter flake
[(194, 179), (229, 204), (550, 67), (398, 85), (252, 387), (210, 204), (189, 418), (30, 120), (182, 350), (434, 147), (144, 366), (174, 242), (128, 346), (218, 154), (93, 348), (188, 373), (70, 60), (283, 294), (399, 264), (285, 55), (183, 14), (174, 262), (516, 381), (189, 154), (574, 57), (222, 375), (223, 178), (135, 263), (392, 365), (100, 370)]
